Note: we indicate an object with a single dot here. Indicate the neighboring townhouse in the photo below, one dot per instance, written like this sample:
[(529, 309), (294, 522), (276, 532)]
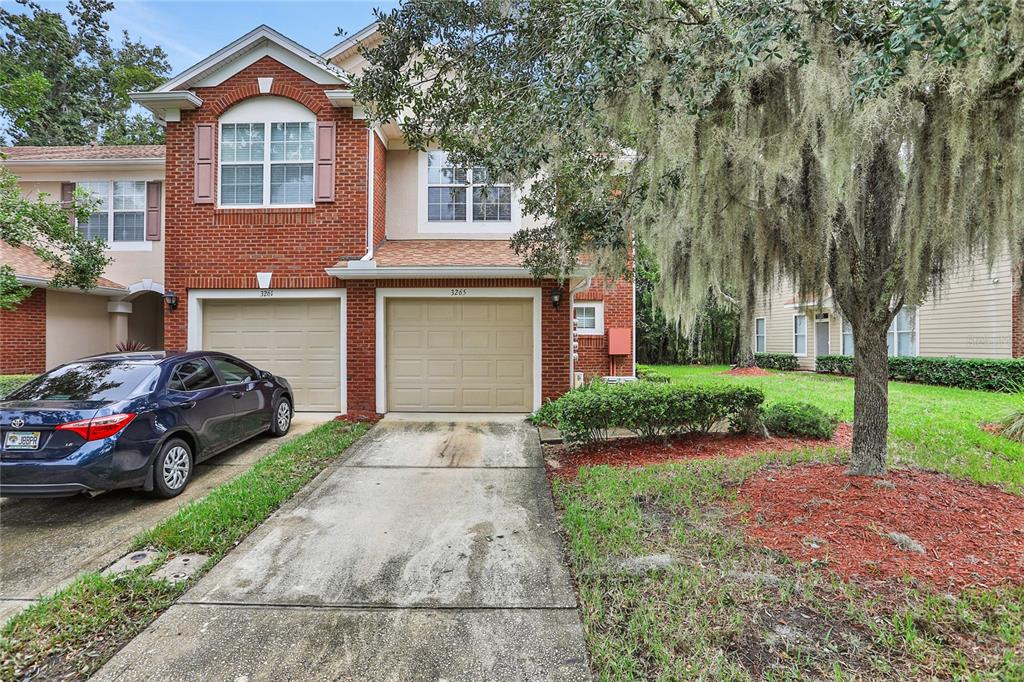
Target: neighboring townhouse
[(53, 326), (375, 277), (976, 314)]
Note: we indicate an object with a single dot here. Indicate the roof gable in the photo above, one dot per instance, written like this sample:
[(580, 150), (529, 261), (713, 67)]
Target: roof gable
[(260, 42)]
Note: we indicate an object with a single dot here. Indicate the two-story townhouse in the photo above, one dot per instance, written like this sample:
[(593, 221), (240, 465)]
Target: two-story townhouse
[(375, 277), (53, 326), (974, 314)]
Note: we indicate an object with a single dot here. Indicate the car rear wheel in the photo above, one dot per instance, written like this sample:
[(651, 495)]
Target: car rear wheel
[(281, 420), (172, 469)]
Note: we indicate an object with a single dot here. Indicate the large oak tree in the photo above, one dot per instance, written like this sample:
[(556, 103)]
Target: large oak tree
[(869, 146)]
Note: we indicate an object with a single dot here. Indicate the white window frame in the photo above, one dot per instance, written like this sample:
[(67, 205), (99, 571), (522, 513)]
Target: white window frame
[(111, 245), (763, 336), (795, 335), (598, 307), (843, 324), (895, 331), (268, 110), (467, 226)]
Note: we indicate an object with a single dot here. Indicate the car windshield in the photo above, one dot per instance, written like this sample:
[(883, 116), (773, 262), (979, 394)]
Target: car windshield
[(102, 381)]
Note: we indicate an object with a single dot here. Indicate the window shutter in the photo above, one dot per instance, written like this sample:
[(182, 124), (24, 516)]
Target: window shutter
[(153, 192), (67, 199), (325, 146), (204, 163)]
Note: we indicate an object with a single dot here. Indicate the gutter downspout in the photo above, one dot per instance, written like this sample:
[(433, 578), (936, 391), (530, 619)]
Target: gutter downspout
[(582, 286), (370, 150)]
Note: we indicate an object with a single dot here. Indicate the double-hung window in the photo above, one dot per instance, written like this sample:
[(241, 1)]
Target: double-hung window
[(847, 338), (119, 214), (760, 335), (800, 334), (266, 164), (589, 318), (902, 336), (456, 194)]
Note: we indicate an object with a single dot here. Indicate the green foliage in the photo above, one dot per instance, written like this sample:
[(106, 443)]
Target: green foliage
[(783, 361), (649, 410), (9, 382), (44, 227), (647, 373), (799, 419), (67, 82), (973, 373)]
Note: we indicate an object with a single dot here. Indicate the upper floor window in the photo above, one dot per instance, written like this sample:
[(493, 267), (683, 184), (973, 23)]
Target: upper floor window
[(120, 211), (456, 194), (267, 154)]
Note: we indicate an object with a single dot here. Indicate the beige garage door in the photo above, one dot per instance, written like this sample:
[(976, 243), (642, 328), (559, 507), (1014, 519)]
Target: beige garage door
[(298, 339), (473, 355)]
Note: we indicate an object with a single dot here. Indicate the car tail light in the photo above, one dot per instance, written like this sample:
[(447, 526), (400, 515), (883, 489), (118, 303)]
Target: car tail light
[(98, 428)]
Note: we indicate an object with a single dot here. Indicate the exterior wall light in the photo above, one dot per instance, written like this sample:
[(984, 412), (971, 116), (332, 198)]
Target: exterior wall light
[(556, 296), (172, 300)]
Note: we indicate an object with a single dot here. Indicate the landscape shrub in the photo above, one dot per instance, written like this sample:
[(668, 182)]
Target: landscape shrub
[(9, 382), (647, 373), (972, 373), (799, 419), (648, 410), (784, 361)]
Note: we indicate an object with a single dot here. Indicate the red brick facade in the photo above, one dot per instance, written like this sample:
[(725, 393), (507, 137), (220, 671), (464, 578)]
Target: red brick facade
[(213, 248), (216, 247), (594, 360), (23, 336)]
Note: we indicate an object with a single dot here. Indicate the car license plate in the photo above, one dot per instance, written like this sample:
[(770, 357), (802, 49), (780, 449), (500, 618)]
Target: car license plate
[(21, 440)]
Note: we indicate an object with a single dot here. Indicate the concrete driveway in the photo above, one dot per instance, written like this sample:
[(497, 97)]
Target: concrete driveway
[(431, 553), (45, 543)]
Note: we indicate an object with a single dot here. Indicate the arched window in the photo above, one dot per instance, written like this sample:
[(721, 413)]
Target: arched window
[(267, 153)]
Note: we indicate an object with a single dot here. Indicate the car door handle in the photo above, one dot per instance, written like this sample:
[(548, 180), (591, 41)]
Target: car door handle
[(236, 395), (188, 405)]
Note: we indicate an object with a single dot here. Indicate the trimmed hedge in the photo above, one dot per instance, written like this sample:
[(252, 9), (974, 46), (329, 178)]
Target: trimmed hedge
[(649, 410), (799, 419), (648, 373), (9, 382), (978, 374), (784, 361)]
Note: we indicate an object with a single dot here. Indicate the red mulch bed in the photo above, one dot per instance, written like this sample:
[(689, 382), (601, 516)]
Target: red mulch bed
[(630, 452), (972, 535), (747, 372), (994, 429)]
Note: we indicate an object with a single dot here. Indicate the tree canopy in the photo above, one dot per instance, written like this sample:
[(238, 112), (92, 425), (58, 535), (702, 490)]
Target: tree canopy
[(867, 146), (68, 83)]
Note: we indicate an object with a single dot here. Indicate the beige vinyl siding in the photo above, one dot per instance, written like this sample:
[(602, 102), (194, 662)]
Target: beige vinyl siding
[(970, 318)]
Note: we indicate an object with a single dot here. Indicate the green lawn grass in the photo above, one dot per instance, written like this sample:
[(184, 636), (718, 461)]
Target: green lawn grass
[(72, 633), (933, 427), (726, 610)]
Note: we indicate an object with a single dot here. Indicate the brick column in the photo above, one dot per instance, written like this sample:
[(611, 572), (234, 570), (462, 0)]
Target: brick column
[(23, 336)]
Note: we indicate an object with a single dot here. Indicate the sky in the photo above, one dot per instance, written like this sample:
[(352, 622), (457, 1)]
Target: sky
[(189, 31)]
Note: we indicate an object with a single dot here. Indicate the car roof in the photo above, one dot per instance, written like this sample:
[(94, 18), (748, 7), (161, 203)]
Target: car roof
[(153, 357)]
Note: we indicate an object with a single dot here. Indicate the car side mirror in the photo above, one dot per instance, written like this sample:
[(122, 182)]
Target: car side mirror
[(264, 374)]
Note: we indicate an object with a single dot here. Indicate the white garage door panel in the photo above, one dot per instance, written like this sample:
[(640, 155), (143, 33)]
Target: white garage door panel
[(298, 339), (459, 356)]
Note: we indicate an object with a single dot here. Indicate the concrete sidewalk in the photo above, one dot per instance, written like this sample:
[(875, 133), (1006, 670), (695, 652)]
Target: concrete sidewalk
[(431, 553)]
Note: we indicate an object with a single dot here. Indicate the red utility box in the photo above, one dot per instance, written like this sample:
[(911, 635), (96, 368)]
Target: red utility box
[(620, 341)]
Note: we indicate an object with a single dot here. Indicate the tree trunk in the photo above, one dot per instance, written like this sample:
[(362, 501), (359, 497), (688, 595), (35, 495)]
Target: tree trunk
[(745, 352), (870, 401)]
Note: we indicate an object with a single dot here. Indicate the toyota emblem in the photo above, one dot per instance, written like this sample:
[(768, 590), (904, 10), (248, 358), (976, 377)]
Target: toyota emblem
[(17, 423)]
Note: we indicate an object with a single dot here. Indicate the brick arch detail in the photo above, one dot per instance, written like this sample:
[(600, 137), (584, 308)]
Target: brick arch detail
[(250, 90)]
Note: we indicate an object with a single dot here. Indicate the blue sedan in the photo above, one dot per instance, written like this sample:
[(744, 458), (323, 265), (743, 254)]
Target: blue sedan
[(133, 420)]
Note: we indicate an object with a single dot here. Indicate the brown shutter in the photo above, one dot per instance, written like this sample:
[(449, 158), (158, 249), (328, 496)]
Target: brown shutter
[(204, 163), (325, 146), (67, 199), (153, 192)]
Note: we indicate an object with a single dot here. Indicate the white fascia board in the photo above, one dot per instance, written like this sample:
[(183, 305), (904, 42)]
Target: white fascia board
[(43, 283), (350, 42), (428, 271), (249, 40), (80, 163)]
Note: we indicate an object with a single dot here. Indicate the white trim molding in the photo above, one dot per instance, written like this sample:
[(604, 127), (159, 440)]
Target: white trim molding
[(195, 319), (367, 271), (533, 293)]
